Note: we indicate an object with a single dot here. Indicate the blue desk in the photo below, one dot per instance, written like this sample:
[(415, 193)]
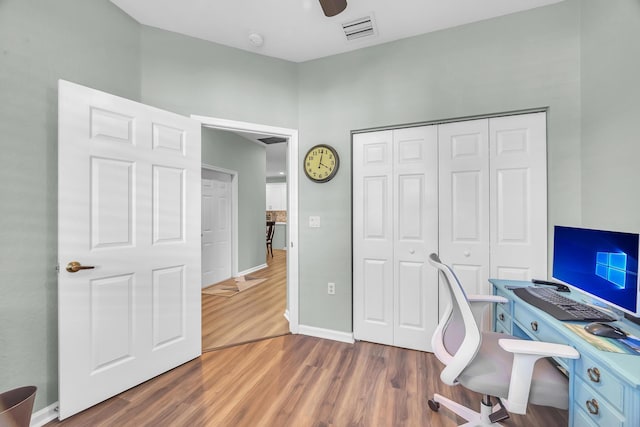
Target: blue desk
[(604, 386)]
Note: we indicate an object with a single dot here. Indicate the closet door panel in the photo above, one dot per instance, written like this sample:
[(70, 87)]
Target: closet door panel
[(416, 236), (373, 260), (464, 202), (518, 196)]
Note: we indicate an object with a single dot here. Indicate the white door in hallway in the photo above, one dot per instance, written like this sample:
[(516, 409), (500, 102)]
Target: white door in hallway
[(129, 208), (216, 227)]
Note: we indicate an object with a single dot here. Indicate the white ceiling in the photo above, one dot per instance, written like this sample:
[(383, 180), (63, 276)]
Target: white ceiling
[(297, 30)]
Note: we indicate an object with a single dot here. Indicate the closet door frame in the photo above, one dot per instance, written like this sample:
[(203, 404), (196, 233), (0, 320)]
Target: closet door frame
[(534, 232)]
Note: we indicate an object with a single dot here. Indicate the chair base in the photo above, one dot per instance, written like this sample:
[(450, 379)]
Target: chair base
[(473, 418)]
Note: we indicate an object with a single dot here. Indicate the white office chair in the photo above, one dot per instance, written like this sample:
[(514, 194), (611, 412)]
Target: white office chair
[(492, 364)]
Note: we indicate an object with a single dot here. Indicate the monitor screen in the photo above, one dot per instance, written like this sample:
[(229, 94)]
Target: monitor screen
[(603, 264)]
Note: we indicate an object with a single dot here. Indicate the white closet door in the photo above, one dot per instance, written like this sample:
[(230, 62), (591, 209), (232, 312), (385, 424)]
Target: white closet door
[(518, 196), (373, 237), (464, 202), (415, 236)]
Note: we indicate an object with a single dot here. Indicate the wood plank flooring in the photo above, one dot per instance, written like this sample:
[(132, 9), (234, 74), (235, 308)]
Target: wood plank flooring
[(254, 314), (298, 381)]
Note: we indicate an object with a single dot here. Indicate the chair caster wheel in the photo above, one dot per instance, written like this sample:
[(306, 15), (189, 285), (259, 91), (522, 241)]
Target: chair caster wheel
[(435, 406)]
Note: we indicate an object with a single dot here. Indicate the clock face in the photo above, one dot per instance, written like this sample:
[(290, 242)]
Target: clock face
[(321, 163)]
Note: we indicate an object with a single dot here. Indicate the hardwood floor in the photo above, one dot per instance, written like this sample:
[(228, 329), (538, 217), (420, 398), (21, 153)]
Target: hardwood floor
[(254, 314), (298, 381)]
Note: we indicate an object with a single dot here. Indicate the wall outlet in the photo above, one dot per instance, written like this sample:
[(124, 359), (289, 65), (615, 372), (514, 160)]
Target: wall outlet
[(331, 288)]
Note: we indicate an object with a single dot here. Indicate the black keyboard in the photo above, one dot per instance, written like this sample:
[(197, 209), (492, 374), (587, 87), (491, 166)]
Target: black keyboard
[(560, 307)]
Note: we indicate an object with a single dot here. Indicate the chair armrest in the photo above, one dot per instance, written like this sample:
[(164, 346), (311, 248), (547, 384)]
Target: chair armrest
[(487, 298), (479, 304), (538, 348), (525, 355)]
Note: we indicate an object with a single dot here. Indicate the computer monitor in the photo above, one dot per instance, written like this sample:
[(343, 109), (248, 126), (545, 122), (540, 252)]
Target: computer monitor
[(602, 264)]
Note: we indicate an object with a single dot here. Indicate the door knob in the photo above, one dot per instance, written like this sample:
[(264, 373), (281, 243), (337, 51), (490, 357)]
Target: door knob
[(466, 253), (412, 251), (75, 266)]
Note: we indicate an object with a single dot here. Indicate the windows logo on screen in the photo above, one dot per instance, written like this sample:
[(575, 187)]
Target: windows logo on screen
[(612, 266)]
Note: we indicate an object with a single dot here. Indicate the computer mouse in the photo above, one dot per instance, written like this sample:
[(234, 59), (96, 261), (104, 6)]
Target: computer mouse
[(605, 330)]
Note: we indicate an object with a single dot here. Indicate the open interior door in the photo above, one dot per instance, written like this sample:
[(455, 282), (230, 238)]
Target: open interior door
[(128, 244)]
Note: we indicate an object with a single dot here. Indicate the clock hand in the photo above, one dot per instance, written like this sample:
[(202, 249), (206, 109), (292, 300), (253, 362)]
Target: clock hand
[(320, 162)]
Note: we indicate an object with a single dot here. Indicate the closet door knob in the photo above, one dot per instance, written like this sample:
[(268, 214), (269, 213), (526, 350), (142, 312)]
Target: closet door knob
[(412, 251), (467, 254)]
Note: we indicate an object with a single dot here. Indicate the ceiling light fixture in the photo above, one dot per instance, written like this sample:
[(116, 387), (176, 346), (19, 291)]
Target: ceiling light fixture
[(256, 39), (333, 7)]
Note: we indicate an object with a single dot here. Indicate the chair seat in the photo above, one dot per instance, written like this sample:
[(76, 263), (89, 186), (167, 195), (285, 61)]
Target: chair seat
[(486, 374)]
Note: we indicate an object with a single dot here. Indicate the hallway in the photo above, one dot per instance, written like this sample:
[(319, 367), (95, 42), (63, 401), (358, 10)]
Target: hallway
[(251, 315)]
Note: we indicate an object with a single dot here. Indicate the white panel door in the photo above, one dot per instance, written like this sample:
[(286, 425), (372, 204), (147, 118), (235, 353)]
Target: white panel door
[(216, 227), (415, 284), (464, 202), (518, 196), (373, 237), (128, 205)]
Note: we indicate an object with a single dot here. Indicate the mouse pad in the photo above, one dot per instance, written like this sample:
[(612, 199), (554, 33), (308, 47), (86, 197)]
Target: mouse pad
[(624, 346)]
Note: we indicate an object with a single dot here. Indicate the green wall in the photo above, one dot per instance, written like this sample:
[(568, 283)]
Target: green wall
[(91, 43), (520, 61), (610, 48), (230, 151), (191, 76), (565, 57)]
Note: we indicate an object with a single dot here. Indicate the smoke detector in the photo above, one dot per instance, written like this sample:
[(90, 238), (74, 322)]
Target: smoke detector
[(256, 39)]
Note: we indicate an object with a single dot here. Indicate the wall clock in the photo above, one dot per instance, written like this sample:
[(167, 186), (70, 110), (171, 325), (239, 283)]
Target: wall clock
[(321, 163)]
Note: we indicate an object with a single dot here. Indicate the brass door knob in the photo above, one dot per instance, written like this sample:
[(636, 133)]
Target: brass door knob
[(75, 266)]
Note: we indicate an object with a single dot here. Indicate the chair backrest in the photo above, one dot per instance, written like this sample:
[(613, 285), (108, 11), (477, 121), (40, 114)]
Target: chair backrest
[(271, 228), (457, 338)]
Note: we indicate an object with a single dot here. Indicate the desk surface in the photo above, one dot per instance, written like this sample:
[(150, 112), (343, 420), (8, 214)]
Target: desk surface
[(625, 365)]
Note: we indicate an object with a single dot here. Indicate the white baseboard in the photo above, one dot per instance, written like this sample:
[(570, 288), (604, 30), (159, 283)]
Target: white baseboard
[(44, 415), (252, 269), (328, 334)]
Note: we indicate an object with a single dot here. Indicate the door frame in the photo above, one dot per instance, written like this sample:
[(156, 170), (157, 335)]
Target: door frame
[(234, 213), (292, 312)]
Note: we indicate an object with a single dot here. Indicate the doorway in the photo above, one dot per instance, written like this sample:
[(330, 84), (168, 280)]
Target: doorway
[(290, 256)]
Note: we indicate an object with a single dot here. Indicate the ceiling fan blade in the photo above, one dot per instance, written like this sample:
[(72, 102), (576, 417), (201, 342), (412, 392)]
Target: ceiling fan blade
[(333, 7)]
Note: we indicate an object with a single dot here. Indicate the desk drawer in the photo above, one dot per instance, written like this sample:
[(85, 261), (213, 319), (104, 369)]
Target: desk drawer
[(601, 381), (594, 407), (502, 329), (581, 418), (534, 327), (503, 319)]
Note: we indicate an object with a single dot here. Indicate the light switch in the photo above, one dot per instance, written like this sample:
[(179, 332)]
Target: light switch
[(314, 221)]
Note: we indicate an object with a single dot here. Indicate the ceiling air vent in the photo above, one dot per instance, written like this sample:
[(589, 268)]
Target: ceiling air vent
[(273, 140), (359, 28)]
